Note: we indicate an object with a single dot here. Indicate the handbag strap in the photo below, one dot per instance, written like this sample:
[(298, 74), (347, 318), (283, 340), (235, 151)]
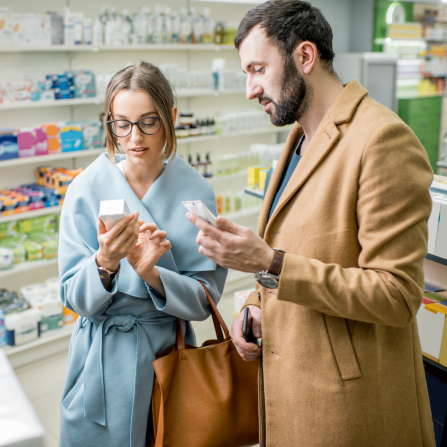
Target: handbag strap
[(218, 321)]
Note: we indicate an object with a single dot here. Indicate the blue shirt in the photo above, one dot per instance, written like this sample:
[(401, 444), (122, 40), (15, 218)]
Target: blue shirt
[(286, 176)]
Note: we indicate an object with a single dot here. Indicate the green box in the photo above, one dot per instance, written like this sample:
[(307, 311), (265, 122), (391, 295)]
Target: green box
[(45, 223), (8, 229)]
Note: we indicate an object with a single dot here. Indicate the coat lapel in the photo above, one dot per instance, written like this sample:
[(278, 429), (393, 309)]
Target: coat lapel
[(291, 143), (321, 144)]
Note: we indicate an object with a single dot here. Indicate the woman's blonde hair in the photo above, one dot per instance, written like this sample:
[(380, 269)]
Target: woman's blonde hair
[(148, 78)]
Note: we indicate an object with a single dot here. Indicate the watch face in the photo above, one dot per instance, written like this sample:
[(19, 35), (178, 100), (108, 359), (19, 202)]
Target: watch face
[(268, 282), (103, 274)]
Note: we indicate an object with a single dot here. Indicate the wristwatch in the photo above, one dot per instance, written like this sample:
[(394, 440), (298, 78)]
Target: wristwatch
[(270, 278), (106, 273)]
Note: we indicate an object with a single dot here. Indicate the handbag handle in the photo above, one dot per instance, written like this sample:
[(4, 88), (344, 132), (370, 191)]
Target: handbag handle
[(217, 320)]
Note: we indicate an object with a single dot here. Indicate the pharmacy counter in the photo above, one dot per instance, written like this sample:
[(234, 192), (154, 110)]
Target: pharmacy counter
[(19, 425)]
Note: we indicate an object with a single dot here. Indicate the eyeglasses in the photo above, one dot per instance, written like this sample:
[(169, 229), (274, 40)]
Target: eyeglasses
[(148, 125)]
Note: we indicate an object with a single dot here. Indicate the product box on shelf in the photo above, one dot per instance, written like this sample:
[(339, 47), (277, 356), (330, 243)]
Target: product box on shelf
[(71, 137), (22, 327), (2, 329), (26, 139), (44, 224), (84, 82), (42, 297), (41, 141), (53, 137), (91, 134), (6, 258), (9, 148), (432, 338), (8, 229)]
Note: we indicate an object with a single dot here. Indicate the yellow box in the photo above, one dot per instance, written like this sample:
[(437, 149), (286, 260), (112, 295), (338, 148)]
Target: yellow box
[(253, 175)]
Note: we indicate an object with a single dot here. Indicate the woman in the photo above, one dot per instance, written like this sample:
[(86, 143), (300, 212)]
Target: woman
[(127, 283)]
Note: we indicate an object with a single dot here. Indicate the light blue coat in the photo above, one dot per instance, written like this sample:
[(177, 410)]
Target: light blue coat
[(107, 392)]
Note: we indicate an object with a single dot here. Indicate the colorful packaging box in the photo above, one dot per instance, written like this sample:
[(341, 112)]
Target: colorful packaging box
[(433, 331), (26, 139), (92, 134), (2, 329), (43, 224), (84, 81), (41, 141), (9, 148), (53, 137), (8, 229), (71, 137)]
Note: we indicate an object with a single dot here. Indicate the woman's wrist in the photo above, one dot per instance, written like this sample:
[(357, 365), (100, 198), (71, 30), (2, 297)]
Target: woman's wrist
[(101, 261)]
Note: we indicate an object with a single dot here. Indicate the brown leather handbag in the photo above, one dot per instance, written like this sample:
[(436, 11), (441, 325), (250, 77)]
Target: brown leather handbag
[(204, 396)]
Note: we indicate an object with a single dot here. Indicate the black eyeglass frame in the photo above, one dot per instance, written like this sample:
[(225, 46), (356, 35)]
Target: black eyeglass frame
[(137, 123)]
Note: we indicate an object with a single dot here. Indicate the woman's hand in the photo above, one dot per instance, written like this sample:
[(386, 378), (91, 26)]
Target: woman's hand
[(151, 246), (117, 243)]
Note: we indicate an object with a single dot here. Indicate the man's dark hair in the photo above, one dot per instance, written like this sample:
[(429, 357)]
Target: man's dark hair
[(287, 23)]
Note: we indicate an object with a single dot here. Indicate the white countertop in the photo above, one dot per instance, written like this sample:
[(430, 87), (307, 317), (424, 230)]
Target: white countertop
[(19, 425)]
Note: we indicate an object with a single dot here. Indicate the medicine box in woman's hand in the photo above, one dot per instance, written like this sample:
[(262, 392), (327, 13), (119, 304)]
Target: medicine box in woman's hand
[(112, 211)]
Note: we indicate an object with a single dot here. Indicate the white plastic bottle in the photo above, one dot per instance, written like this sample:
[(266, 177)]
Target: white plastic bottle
[(167, 26), (158, 25), (87, 23), (175, 27), (208, 27)]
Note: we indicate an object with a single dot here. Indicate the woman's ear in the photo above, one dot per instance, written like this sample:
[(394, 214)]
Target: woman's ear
[(174, 114)]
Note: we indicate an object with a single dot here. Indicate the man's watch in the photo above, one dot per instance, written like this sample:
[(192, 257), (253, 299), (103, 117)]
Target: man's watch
[(106, 273), (270, 278)]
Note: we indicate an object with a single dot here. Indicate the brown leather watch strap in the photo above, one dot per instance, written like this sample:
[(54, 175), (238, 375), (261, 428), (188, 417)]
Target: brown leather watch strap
[(278, 260)]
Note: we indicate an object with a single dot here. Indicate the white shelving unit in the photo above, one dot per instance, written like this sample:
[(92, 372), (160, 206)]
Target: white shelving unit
[(99, 101), (97, 49), (95, 152), (40, 60), (27, 266), (30, 214)]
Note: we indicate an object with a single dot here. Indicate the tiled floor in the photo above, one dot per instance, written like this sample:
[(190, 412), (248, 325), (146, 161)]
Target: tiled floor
[(43, 381)]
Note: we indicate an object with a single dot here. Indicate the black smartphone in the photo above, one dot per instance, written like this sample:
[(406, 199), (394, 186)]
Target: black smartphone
[(247, 329)]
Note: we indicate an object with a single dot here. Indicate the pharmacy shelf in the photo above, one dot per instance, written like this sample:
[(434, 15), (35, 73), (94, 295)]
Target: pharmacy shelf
[(244, 213), (224, 178), (180, 142), (254, 192), (182, 93), (95, 48), (27, 266), (50, 157), (437, 259), (54, 103), (31, 214), (242, 133), (46, 337)]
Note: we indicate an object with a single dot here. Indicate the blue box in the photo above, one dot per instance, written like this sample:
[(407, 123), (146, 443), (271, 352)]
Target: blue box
[(71, 138), (8, 146)]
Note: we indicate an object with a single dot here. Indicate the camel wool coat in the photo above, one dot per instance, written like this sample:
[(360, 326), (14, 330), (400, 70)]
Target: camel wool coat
[(342, 363)]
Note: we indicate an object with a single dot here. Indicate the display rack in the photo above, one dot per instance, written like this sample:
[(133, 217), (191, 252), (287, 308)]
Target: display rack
[(96, 49), (31, 214), (180, 142), (182, 93)]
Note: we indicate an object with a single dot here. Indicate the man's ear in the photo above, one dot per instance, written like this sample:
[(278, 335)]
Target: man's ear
[(305, 56), (174, 112)]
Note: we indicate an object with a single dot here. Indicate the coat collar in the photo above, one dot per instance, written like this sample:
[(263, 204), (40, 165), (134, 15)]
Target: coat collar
[(327, 134)]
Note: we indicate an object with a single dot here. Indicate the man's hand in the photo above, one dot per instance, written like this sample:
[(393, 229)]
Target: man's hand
[(248, 351), (232, 246)]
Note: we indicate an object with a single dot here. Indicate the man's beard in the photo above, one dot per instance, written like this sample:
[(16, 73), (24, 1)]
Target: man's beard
[(295, 99)]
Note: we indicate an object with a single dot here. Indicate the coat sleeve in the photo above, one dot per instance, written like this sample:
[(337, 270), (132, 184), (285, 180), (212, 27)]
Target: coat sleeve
[(393, 207), (185, 297), (81, 287)]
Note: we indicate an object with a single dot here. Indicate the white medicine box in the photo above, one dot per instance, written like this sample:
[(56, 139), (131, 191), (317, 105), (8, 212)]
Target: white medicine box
[(112, 211)]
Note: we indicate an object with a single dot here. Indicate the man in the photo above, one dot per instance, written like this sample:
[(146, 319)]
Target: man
[(348, 203)]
